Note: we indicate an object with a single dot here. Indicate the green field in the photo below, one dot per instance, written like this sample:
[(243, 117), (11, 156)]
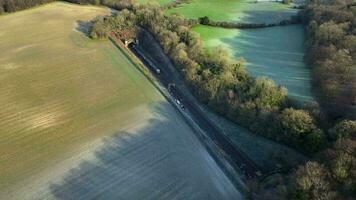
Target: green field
[(161, 2), (58, 85), (235, 10), (275, 52)]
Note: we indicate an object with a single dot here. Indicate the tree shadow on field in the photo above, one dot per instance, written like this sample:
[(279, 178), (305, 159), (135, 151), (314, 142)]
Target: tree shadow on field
[(275, 52), (266, 12), (267, 16), (278, 53), (83, 27), (153, 162)]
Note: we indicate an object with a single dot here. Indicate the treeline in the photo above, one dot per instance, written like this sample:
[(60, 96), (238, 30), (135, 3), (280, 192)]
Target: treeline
[(331, 51), (16, 5), (219, 82), (114, 4), (176, 3), (209, 22), (8, 6)]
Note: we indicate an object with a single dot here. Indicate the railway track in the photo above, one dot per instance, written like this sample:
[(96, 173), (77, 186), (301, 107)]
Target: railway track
[(236, 158)]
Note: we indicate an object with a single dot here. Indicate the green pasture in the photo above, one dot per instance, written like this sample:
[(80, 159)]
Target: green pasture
[(59, 88), (236, 10), (275, 52), (161, 2)]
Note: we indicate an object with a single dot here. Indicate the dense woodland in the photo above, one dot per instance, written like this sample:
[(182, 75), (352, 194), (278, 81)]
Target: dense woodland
[(209, 22), (331, 51), (258, 103)]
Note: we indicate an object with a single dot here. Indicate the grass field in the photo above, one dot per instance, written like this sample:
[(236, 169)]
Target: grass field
[(275, 52), (79, 121), (161, 2), (235, 10)]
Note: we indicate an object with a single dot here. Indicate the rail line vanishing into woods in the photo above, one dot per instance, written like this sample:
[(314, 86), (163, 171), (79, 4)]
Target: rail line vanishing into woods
[(236, 158)]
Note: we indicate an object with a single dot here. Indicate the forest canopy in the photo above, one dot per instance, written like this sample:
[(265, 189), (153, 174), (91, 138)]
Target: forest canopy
[(331, 52)]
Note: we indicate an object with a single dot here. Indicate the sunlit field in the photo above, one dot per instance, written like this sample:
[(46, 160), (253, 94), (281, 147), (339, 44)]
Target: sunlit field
[(236, 10), (58, 87), (275, 52), (161, 2), (78, 120)]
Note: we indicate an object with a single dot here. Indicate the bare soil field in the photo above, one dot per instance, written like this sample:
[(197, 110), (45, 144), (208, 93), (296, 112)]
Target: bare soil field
[(78, 121)]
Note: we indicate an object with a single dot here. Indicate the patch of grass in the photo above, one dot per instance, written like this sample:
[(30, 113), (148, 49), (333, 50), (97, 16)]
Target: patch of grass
[(236, 10), (161, 2), (59, 88), (275, 52)]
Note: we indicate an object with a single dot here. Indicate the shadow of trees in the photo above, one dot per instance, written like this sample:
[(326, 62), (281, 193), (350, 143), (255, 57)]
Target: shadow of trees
[(277, 53), (83, 27), (154, 162), (266, 16)]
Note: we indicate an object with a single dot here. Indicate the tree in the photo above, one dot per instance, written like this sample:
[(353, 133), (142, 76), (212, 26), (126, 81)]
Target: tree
[(297, 122), (312, 181), (344, 129), (349, 43), (341, 163), (9, 6), (99, 29), (267, 94), (2, 10), (169, 40), (287, 2), (314, 141), (341, 166), (300, 130), (330, 32)]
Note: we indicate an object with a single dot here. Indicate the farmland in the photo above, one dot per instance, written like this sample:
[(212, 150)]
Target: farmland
[(275, 52), (78, 120), (235, 10), (161, 2)]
